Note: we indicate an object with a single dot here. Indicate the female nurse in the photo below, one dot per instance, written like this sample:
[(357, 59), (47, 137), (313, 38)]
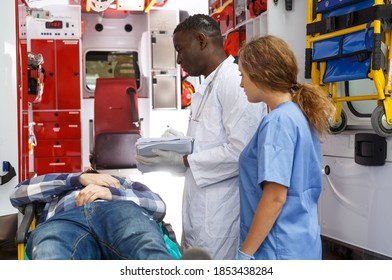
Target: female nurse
[(280, 168)]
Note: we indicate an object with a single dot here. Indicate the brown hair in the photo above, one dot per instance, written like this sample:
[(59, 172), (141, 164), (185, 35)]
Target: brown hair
[(269, 62)]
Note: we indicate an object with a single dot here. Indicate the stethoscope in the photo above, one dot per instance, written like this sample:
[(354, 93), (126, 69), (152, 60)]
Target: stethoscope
[(203, 101)]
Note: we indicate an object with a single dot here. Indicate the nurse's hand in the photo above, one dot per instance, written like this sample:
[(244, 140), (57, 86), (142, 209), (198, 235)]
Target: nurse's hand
[(164, 160), (171, 132), (242, 256)]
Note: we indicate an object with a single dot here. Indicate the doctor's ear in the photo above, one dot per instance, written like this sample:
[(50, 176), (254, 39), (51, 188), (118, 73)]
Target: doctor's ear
[(202, 40)]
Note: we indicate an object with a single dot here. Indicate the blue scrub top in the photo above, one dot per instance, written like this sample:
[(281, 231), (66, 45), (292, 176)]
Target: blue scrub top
[(286, 151)]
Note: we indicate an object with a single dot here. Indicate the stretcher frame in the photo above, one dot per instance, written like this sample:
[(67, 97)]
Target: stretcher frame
[(381, 117)]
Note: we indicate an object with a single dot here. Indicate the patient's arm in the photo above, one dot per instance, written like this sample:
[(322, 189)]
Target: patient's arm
[(99, 179), (91, 193), (44, 188)]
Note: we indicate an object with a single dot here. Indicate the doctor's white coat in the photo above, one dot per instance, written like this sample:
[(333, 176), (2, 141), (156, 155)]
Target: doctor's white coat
[(221, 129)]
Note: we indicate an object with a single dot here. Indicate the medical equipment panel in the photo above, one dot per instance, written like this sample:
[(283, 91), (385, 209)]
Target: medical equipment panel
[(55, 22)]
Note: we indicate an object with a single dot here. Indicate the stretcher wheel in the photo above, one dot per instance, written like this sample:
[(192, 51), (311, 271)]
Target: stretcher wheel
[(341, 126), (379, 122)]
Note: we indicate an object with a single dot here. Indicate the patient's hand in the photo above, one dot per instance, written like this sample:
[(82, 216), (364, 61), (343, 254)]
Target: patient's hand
[(99, 179), (91, 193)]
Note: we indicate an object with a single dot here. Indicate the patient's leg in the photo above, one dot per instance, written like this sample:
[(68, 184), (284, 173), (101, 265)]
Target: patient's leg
[(125, 231), (65, 236)]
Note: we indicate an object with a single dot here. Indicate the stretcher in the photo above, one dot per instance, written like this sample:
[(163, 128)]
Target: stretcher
[(350, 40)]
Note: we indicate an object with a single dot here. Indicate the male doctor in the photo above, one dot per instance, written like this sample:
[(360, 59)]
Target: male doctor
[(221, 122)]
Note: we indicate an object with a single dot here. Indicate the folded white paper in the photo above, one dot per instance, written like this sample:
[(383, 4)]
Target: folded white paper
[(144, 146)]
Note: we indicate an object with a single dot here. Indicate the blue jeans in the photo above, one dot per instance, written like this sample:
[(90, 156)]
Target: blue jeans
[(99, 230)]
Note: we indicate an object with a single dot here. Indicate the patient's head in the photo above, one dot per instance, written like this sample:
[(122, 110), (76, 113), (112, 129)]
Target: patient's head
[(91, 171)]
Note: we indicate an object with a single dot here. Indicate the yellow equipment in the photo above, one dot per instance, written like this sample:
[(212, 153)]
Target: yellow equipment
[(348, 40)]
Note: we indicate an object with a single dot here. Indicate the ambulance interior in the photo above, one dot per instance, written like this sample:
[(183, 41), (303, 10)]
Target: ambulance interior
[(66, 51)]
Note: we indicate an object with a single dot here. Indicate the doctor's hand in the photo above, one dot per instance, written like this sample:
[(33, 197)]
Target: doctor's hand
[(171, 132), (165, 160)]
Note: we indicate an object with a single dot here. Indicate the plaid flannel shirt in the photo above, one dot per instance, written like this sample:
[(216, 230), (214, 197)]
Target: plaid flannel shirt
[(58, 192)]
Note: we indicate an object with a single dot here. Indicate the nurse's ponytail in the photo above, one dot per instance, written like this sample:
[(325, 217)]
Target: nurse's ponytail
[(316, 106)]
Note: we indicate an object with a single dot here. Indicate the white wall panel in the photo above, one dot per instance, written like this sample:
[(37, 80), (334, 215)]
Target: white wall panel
[(8, 102)]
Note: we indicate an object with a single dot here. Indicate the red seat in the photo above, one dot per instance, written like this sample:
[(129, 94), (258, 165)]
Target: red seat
[(116, 125)]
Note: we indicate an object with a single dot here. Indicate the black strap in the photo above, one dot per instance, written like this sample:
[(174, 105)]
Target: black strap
[(334, 23), (7, 177), (168, 230), (135, 114), (24, 227), (136, 68), (289, 5)]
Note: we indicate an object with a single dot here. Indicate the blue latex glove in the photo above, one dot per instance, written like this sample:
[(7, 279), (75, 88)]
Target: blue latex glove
[(242, 256), (165, 160)]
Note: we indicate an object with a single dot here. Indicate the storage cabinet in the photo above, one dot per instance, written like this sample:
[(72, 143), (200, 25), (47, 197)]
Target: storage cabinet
[(261, 17), (62, 69), (232, 17), (58, 148), (57, 117), (164, 70), (165, 77), (57, 130), (234, 14), (224, 15), (58, 135), (57, 165), (164, 91)]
